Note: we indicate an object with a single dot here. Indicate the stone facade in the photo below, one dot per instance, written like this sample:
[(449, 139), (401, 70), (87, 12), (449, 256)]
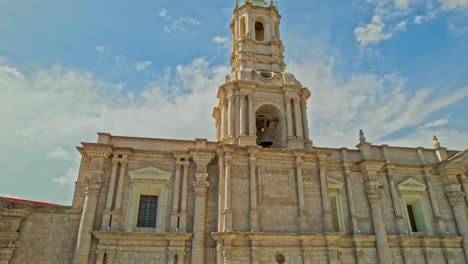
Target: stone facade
[(234, 201)]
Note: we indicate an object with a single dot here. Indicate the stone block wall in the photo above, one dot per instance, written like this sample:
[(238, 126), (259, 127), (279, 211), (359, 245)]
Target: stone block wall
[(48, 236)]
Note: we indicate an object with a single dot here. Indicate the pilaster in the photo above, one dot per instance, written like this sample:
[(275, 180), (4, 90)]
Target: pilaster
[(457, 202), (300, 189), (254, 226), (200, 186), (374, 196), (184, 197), (227, 191), (94, 181), (327, 213), (349, 191), (390, 171)]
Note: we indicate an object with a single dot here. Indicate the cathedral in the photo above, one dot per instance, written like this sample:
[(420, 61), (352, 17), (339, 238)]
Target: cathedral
[(261, 193)]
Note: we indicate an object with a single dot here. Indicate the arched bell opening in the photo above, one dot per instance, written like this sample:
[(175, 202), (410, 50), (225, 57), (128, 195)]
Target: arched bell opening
[(259, 31), (271, 128)]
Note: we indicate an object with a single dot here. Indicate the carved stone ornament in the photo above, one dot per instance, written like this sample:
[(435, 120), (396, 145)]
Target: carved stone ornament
[(228, 255), (373, 191), (239, 172), (456, 198), (201, 188), (93, 184), (96, 164)]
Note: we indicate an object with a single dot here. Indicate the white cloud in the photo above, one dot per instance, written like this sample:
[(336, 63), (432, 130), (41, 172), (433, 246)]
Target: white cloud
[(178, 24), (62, 107), (458, 30), (68, 178), (164, 13), (372, 33), (224, 42), (381, 105), (141, 66), (455, 4), (401, 26), (402, 4), (182, 24), (59, 153), (100, 49), (437, 123), (418, 19)]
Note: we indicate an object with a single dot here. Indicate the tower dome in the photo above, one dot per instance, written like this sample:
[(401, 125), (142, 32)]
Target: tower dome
[(258, 2)]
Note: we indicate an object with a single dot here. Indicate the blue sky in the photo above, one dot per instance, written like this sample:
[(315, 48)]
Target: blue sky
[(395, 68)]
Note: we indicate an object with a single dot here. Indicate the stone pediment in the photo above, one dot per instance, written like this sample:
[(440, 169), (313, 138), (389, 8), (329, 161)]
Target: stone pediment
[(411, 185), (459, 158), (150, 173)]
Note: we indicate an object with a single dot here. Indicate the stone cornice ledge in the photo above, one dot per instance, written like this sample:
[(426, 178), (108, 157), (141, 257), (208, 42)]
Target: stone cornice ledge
[(142, 236)]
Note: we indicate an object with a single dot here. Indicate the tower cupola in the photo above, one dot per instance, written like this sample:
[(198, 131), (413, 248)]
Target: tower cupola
[(256, 37), (260, 104)]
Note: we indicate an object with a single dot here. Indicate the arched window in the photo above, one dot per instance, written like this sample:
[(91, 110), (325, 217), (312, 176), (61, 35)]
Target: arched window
[(259, 31), (242, 27)]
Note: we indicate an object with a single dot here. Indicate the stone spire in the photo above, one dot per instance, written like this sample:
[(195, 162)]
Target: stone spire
[(362, 137), (435, 142)]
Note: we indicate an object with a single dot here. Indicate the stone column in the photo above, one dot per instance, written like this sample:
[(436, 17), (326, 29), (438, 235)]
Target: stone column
[(106, 218), (236, 115), (111, 256), (464, 179), (457, 202), (221, 187), (110, 191), (438, 219), (183, 206), (305, 123), (171, 256), (327, 213), (289, 117), (123, 171), (349, 192), (94, 182), (6, 253), (201, 184), (242, 115), (100, 256), (395, 200), (297, 114), (254, 227), (227, 194), (175, 199), (181, 257), (223, 120), (230, 120), (252, 126), (300, 193), (374, 196)]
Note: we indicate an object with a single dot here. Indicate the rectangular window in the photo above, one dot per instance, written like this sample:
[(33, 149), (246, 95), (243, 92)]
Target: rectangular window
[(412, 219), (147, 211)]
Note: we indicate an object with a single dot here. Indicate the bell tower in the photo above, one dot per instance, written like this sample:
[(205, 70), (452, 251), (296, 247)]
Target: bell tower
[(260, 103)]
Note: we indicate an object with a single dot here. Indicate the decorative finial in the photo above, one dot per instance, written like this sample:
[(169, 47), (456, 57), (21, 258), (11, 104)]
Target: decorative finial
[(435, 142), (237, 3), (362, 138), (271, 2)]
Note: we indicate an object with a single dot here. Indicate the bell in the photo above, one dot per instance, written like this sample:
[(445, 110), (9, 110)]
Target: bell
[(265, 141)]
